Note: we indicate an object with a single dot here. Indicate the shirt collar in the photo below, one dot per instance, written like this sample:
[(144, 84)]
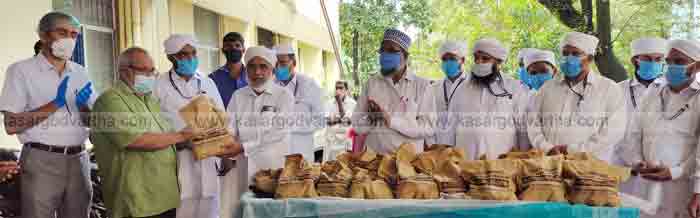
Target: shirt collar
[(591, 79), (409, 76), (462, 76), (178, 78), (241, 78), (292, 82)]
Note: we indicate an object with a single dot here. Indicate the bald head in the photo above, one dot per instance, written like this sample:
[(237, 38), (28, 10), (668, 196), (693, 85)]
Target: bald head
[(134, 61)]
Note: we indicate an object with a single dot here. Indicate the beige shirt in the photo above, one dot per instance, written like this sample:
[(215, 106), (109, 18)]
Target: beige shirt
[(488, 123), (593, 123), (445, 91), (410, 104)]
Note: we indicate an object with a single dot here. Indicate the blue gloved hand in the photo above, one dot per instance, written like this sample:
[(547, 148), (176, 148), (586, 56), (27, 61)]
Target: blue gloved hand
[(83, 96), (60, 99)]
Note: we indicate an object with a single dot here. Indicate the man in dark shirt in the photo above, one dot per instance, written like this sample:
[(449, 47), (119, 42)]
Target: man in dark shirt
[(231, 76)]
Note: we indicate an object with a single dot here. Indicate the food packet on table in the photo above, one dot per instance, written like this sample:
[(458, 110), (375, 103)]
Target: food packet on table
[(365, 187), (421, 186), (265, 182), (209, 125), (388, 170), (335, 180), (434, 157), (404, 156), (491, 179), (595, 182), (297, 179), (541, 179), (449, 179), (533, 153)]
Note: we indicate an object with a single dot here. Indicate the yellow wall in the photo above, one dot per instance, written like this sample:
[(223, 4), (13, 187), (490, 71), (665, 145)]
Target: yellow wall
[(19, 20)]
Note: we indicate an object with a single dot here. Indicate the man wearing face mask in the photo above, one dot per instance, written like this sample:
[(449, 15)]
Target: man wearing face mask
[(647, 58), (258, 114), (175, 89), (231, 76), (308, 117), (487, 115), (522, 69), (665, 149), (451, 54), (134, 144), (541, 67), (45, 101), (394, 106), (580, 112)]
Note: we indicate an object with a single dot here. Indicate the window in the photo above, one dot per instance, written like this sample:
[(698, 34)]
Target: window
[(206, 30), (97, 35), (266, 38)]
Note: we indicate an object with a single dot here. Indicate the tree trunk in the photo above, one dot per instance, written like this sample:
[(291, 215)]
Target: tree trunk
[(567, 14), (355, 58), (605, 59), (587, 8)]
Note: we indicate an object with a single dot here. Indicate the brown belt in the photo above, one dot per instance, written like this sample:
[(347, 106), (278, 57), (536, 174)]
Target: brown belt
[(66, 150)]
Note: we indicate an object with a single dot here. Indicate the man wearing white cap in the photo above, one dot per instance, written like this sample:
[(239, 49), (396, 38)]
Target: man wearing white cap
[(581, 112), (394, 106), (665, 149), (308, 109), (452, 56), (255, 111), (487, 115), (522, 69), (541, 67), (199, 182)]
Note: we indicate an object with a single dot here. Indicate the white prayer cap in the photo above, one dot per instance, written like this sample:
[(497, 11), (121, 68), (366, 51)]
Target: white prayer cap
[(524, 52), (587, 43), (689, 47), (492, 47), (453, 47), (539, 56), (649, 46), (176, 42), (262, 52), (284, 49)]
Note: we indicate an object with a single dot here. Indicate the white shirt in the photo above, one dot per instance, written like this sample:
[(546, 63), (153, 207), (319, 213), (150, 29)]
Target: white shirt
[(411, 108), (258, 123), (191, 174), (34, 82), (332, 109), (634, 94), (308, 113), (444, 92), (593, 124), (486, 124)]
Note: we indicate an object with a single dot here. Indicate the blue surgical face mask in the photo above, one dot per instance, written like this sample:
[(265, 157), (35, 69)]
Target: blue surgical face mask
[(570, 66), (282, 73), (144, 84), (450, 68), (649, 70), (187, 67), (389, 62), (522, 73), (676, 75), (538, 79)]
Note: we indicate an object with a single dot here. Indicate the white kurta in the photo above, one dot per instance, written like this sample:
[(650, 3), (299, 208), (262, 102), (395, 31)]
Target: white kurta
[(411, 107), (308, 114), (669, 141), (634, 94), (337, 140), (199, 182), (594, 123), (259, 123), (444, 92), (486, 124)]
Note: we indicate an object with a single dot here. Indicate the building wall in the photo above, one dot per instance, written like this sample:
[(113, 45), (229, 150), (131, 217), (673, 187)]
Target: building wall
[(20, 22)]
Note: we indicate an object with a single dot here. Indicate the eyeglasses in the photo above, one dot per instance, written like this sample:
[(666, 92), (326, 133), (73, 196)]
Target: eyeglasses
[(62, 32)]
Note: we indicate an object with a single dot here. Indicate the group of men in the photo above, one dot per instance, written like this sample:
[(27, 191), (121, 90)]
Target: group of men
[(144, 150)]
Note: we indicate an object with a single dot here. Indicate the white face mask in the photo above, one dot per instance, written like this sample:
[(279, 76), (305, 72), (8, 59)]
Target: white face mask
[(144, 84), (482, 70), (63, 48)]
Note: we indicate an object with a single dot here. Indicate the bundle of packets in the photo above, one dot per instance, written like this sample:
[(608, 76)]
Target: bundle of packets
[(209, 125)]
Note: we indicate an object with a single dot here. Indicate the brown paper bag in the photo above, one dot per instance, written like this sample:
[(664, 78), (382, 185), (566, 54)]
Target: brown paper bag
[(491, 179), (595, 183), (432, 159), (388, 170), (421, 186), (541, 179), (531, 154), (297, 178), (335, 180), (404, 156), (365, 187), (265, 181), (209, 125), (449, 178)]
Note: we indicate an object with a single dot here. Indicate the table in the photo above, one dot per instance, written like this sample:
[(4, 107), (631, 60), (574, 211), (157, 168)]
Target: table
[(395, 208)]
